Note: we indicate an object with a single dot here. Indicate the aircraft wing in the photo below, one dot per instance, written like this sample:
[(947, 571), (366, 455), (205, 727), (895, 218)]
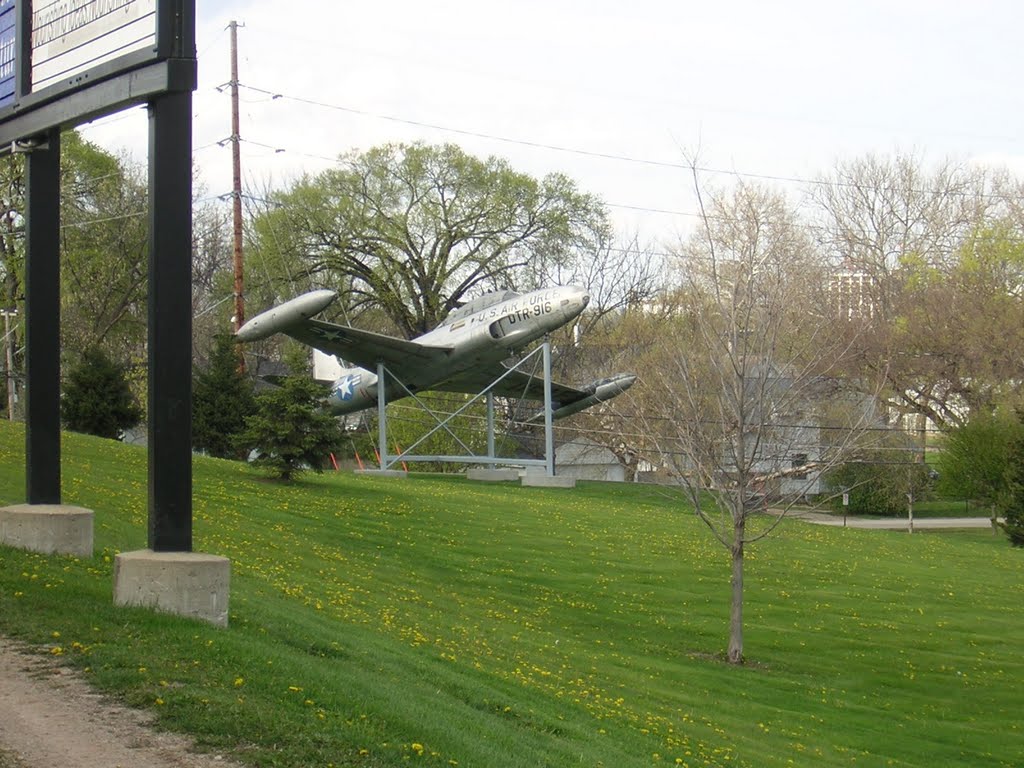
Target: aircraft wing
[(365, 348), (514, 384)]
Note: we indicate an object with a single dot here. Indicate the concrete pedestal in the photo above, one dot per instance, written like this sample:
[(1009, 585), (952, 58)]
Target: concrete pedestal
[(537, 480), (492, 474), (382, 472), (184, 583), (47, 528)]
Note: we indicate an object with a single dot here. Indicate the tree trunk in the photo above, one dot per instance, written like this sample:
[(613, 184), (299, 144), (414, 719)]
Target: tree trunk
[(735, 653)]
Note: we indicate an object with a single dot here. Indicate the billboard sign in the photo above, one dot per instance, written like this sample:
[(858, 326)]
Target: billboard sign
[(70, 37), (65, 62), (8, 51)]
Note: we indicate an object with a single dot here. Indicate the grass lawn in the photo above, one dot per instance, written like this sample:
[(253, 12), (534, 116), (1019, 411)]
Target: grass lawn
[(438, 622)]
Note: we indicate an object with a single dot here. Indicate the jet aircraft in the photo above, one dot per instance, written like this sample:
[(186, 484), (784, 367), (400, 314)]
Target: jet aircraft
[(463, 354)]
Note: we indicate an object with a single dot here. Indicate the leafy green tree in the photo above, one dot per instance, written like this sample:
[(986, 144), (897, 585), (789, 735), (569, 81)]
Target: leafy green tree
[(104, 249), (12, 250), (222, 398), (976, 457), (938, 267), (103, 246), (289, 430), (414, 230), (1011, 501), (960, 333), (97, 399)]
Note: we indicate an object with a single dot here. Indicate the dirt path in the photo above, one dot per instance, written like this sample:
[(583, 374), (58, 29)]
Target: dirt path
[(49, 716)]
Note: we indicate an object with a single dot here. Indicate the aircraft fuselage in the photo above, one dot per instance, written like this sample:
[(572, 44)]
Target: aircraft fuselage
[(485, 336)]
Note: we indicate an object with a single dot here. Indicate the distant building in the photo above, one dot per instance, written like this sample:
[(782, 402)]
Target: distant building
[(853, 294), (585, 459)]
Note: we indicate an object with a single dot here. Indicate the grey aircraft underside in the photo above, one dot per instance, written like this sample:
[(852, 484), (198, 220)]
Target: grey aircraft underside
[(463, 354)]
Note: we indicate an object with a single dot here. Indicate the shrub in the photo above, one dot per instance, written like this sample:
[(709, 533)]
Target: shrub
[(97, 399), (289, 430), (878, 483)]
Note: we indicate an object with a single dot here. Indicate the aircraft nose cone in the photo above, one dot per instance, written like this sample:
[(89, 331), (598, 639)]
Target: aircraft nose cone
[(574, 301), (579, 295)]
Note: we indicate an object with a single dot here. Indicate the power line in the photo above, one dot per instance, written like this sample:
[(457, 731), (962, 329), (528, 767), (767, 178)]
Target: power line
[(813, 229), (275, 95)]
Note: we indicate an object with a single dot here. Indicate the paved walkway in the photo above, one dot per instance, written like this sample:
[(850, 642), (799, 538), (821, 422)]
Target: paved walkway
[(893, 523)]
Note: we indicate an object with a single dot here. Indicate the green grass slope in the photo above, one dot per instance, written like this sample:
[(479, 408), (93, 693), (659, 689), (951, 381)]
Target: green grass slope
[(438, 622)]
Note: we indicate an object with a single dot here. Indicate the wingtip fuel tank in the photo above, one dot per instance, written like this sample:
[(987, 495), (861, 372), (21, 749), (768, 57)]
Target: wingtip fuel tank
[(597, 392), (286, 315)]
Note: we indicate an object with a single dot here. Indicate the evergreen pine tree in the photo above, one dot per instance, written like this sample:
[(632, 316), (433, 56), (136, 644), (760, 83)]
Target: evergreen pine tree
[(97, 399), (222, 398), (290, 430)]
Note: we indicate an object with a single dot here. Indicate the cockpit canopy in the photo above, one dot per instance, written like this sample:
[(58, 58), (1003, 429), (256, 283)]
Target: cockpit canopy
[(479, 303)]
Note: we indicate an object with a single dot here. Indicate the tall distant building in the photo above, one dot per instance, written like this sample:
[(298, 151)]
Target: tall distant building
[(853, 293)]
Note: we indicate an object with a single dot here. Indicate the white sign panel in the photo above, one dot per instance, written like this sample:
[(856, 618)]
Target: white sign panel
[(72, 36)]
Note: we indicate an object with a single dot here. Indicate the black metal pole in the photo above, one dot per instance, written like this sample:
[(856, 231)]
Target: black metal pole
[(42, 323), (170, 323)]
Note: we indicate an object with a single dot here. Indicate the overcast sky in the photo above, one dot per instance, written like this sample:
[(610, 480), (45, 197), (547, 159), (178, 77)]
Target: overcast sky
[(611, 93)]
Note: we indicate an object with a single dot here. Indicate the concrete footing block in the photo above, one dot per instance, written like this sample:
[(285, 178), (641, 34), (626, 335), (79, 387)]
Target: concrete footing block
[(492, 474), (537, 480), (188, 584), (47, 528), (400, 473)]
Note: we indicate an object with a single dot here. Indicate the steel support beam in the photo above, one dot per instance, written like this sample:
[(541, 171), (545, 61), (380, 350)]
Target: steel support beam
[(549, 435), (548, 462), (382, 424), (490, 424)]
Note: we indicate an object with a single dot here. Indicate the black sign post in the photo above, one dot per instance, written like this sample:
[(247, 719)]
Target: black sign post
[(73, 63), (42, 322), (170, 323)]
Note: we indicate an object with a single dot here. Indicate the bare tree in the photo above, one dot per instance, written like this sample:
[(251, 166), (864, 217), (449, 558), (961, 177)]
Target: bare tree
[(622, 276), (620, 273), (211, 274), (741, 405), (903, 232), (878, 211)]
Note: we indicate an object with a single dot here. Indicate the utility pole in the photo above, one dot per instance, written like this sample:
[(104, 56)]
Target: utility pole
[(236, 191), (9, 369)]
